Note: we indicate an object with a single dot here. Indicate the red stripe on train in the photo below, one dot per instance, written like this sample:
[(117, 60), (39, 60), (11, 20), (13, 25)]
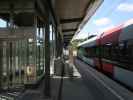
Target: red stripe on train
[(108, 68)]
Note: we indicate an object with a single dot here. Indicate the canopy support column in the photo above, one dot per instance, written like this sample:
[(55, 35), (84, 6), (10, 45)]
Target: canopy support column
[(47, 89), (1, 67)]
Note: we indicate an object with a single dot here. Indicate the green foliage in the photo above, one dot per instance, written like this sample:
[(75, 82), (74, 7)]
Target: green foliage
[(75, 42)]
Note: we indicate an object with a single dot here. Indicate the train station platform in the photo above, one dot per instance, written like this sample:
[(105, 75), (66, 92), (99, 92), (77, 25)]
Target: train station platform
[(86, 84), (72, 88)]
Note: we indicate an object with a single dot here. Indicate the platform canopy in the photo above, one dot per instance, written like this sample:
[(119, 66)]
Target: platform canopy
[(73, 14), (21, 13)]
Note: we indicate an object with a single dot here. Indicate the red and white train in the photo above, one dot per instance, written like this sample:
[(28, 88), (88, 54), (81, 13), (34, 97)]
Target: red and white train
[(111, 52)]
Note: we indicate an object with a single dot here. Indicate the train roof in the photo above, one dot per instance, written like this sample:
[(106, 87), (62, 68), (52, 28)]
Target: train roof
[(88, 43), (117, 34), (120, 33), (127, 31), (110, 36)]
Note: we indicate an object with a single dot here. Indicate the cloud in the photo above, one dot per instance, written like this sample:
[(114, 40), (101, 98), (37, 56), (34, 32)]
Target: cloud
[(102, 21), (125, 7), (106, 28)]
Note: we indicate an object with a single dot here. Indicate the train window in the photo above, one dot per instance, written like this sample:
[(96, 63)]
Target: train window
[(89, 52), (114, 52), (103, 51), (96, 51), (129, 51), (106, 51), (121, 52), (123, 48)]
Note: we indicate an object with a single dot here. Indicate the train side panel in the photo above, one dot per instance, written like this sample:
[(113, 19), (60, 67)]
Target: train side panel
[(108, 68), (124, 76)]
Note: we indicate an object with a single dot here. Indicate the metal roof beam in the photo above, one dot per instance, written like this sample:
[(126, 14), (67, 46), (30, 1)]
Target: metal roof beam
[(68, 38), (62, 21), (66, 41), (68, 35), (69, 30), (19, 6)]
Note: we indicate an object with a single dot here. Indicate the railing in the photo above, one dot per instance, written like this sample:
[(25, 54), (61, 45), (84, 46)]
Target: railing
[(2, 97)]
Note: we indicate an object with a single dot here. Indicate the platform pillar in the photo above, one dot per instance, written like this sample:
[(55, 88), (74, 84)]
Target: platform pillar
[(1, 66), (47, 89)]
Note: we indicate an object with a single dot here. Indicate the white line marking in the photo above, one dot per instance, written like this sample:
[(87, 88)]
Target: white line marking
[(110, 89), (106, 86)]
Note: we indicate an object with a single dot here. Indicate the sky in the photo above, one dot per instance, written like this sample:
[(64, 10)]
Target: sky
[(2, 23), (110, 14)]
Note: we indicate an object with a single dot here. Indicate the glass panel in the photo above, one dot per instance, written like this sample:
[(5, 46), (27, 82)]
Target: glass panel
[(52, 48), (40, 51), (22, 60)]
